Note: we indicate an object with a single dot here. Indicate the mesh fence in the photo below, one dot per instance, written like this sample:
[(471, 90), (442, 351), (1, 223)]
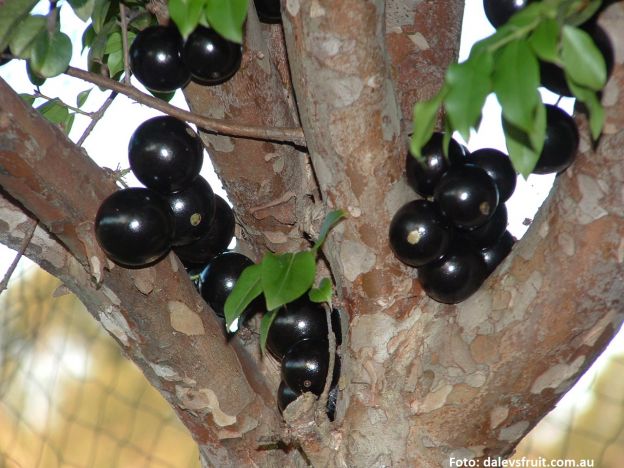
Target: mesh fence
[(68, 398)]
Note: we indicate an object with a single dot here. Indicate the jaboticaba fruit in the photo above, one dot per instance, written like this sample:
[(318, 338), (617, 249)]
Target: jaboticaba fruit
[(213, 242), (423, 175), (285, 396), (499, 11), (193, 210), (268, 10), (165, 154), (418, 234), (295, 321), (134, 226), (305, 365), (498, 166), (552, 76), (455, 277), (156, 59), (467, 196), (210, 58), (490, 232), (220, 276), (560, 144), (494, 255)]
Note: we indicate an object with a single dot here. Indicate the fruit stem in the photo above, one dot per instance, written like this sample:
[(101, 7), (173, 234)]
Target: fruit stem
[(124, 42)]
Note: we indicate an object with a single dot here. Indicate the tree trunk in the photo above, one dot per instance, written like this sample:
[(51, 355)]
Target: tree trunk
[(420, 381)]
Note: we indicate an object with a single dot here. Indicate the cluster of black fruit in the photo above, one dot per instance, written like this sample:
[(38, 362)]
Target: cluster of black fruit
[(177, 208), (456, 236), (552, 76)]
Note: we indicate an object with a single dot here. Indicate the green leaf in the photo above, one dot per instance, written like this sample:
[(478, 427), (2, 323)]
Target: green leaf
[(164, 96), (82, 97), (114, 62), (265, 324), (246, 289), (34, 78), (227, 17), (142, 21), (531, 14), (88, 36), (323, 293), (100, 14), (54, 111), (521, 152), (469, 84), (596, 112), (82, 8), (517, 92), (27, 98), (582, 60), (25, 33), (588, 9), (330, 220), (286, 277), (424, 119), (69, 122), (537, 133), (51, 53), (11, 13), (186, 14), (545, 40)]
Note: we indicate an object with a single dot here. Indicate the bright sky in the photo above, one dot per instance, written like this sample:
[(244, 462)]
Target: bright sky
[(107, 145)]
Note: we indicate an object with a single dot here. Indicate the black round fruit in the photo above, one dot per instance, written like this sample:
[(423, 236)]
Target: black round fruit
[(455, 277), (467, 196), (134, 227), (498, 12), (268, 11), (498, 166), (494, 255), (560, 144), (304, 367), (165, 154), (285, 396), (209, 57), (156, 59), (552, 77), (423, 175), (193, 210), (294, 322), (490, 232), (220, 276), (418, 234), (213, 242)]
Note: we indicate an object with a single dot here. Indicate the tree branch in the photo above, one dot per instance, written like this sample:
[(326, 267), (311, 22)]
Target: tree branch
[(20, 252), (96, 117), (218, 126)]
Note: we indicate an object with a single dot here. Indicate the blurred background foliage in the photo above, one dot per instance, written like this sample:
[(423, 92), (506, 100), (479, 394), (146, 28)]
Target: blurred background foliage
[(68, 398)]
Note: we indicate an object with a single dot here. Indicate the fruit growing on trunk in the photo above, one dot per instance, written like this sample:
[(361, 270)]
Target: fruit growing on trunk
[(498, 12), (193, 211), (498, 166), (210, 58), (561, 142)]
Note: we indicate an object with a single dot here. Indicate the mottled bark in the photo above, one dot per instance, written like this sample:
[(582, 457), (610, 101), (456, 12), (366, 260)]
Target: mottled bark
[(420, 381)]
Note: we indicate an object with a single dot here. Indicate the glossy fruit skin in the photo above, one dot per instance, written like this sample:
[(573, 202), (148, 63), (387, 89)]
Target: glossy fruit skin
[(134, 227), (423, 176), (455, 277), (332, 399), (210, 58), (467, 196), (560, 144), (498, 12), (156, 59), (305, 365), (213, 242), (552, 77), (294, 322), (193, 211), (268, 11), (285, 396), (219, 277), (490, 232), (336, 326), (165, 154), (498, 166), (418, 234), (494, 255)]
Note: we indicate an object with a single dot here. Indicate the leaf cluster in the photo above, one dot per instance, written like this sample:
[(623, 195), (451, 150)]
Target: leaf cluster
[(224, 16), (507, 64), (58, 112), (281, 278)]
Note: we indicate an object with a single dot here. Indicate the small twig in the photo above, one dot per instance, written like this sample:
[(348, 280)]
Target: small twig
[(331, 338), (96, 116), (52, 17), (24, 245), (218, 126), (124, 42), (39, 94)]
